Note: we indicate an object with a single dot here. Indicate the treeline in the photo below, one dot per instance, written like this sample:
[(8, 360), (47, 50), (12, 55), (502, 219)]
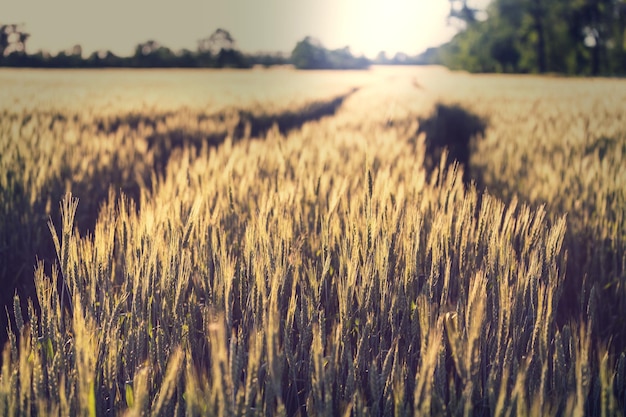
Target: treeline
[(585, 37), (311, 54), (161, 57), (217, 51)]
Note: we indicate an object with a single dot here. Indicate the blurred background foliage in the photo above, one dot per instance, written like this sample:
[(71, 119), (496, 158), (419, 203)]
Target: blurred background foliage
[(585, 37)]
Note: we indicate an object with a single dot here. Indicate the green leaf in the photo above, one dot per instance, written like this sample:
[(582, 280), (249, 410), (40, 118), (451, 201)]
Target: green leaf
[(130, 399), (92, 399), (49, 349)]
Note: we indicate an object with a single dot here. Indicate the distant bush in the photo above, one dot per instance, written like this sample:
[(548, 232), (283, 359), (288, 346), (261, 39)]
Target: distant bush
[(310, 54)]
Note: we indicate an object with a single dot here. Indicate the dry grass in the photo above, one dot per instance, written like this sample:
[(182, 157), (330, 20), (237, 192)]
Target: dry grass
[(321, 272)]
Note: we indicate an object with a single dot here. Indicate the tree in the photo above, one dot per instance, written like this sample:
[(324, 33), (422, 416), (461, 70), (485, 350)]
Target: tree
[(12, 39), (186, 59), (71, 58), (381, 58), (146, 48), (219, 40), (461, 10), (600, 26), (152, 54), (231, 58), (106, 59), (219, 50), (309, 53), (578, 36)]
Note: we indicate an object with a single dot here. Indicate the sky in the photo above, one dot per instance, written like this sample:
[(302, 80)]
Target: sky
[(366, 26)]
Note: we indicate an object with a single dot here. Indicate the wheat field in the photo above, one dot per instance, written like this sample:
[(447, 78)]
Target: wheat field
[(178, 248)]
